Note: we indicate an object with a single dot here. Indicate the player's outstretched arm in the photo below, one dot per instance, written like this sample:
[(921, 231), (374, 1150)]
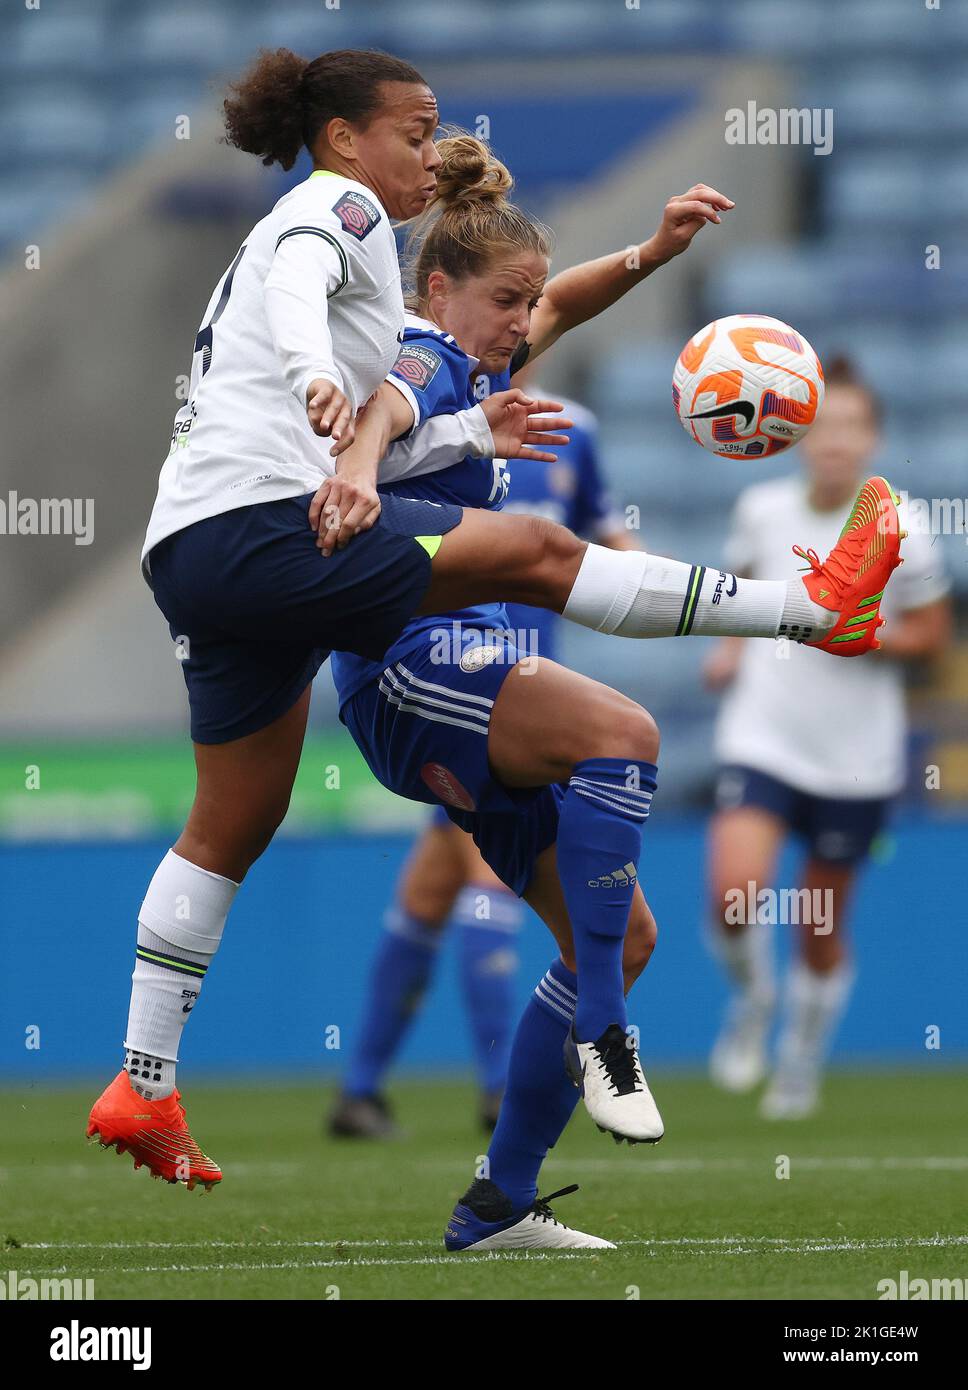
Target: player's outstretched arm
[(579, 293)]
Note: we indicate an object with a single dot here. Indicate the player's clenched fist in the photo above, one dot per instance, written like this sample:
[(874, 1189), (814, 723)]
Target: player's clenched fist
[(341, 509), (330, 414)]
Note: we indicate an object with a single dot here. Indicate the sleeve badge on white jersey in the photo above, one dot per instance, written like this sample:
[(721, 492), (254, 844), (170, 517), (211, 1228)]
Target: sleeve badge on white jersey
[(357, 214)]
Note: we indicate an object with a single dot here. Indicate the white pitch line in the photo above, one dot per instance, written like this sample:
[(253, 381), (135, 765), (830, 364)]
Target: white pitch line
[(954, 1163), (722, 1245), (648, 1167), (446, 1259)]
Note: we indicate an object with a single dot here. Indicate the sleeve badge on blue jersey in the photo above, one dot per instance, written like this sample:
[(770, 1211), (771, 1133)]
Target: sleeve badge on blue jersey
[(418, 365), (357, 214)]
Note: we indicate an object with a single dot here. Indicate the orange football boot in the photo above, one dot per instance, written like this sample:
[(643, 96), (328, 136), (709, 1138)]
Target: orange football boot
[(154, 1132), (852, 579)]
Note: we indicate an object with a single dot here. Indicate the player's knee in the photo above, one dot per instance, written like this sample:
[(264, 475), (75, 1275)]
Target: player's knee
[(628, 731), (732, 909), (427, 903), (549, 545), (232, 841)]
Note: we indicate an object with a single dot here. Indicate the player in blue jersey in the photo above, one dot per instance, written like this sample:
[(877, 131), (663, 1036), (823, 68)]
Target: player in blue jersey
[(445, 878), (552, 773)]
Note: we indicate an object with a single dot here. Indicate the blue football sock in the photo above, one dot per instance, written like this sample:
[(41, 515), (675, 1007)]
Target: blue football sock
[(488, 920), (398, 980), (599, 842), (539, 1096)]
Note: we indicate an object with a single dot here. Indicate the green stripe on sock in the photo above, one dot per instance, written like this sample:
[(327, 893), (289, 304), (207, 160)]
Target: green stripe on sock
[(692, 600), (185, 967)]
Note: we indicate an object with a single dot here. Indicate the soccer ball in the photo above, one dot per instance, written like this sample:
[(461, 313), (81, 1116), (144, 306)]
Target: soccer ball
[(747, 386)]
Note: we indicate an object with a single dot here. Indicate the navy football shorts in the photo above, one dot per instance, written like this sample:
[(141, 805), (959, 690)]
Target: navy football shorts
[(254, 608), (422, 727), (838, 830)]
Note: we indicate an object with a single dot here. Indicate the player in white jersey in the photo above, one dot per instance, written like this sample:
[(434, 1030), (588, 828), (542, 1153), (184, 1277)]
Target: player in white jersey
[(809, 747), (232, 547)]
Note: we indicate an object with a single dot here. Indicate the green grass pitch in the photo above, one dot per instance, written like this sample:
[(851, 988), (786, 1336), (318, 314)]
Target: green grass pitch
[(876, 1185)]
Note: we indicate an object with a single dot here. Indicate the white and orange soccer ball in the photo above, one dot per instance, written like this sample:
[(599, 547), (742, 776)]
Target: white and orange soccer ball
[(747, 386)]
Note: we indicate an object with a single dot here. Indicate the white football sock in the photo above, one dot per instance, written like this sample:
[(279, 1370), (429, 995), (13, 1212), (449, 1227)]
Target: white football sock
[(813, 1007), (747, 958), (631, 593), (179, 929)]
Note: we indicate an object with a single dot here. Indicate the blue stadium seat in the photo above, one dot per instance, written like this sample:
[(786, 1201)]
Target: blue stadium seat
[(28, 213), (307, 28), (146, 114), (792, 282), (890, 26), (755, 26), (641, 372), (865, 191), (46, 41), (57, 124), (193, 39)]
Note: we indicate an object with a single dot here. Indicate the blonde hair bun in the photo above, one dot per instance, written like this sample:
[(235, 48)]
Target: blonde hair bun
[(470, 172)]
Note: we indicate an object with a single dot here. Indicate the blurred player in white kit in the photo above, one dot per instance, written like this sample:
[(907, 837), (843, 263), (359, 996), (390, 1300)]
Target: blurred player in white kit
[(809, 748)]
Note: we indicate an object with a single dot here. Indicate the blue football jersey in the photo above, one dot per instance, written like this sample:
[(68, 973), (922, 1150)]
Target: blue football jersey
[(440, 380)]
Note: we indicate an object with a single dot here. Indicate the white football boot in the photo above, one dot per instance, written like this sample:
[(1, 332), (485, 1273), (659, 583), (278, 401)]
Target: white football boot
[(793, 1094), (813, 1008), (738, 1061), (609, 1076), (536, 1228)]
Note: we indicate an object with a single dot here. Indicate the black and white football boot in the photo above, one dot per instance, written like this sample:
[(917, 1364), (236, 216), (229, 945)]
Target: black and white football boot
[(609, 1076), (485, 1219), (361, 1117)]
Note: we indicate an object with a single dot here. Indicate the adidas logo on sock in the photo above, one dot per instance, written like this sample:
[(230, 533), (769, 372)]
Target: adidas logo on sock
[(617, 878)]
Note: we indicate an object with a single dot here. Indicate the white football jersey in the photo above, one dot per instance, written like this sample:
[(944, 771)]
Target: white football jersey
[(313, 292), (831, 726)]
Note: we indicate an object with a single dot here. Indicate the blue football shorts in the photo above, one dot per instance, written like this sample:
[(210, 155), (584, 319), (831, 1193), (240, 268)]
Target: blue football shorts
[(422, 726), (837, 830)]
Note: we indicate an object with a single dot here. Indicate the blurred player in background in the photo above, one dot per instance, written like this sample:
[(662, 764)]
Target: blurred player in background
[(445, 879), (808, 748)]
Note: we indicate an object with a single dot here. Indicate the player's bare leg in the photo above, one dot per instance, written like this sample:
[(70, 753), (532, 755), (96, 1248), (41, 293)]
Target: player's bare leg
[(817, 992), (834, 606), (242, 795), (744, 843)]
